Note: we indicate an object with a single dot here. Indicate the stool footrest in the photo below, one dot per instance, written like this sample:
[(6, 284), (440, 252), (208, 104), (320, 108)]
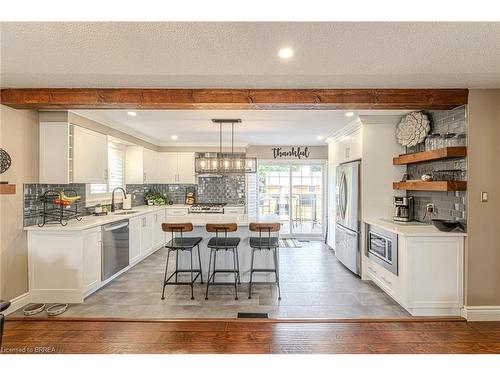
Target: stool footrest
[(225, 271), (222, 283), (167, 282), (263, 270), (264, 282)]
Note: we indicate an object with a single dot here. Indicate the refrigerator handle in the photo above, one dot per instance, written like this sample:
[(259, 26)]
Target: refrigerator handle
[(344, 195), (342, 202)]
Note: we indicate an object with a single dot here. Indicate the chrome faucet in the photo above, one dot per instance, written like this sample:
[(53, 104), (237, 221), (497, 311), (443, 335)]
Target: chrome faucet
[(113, 197)]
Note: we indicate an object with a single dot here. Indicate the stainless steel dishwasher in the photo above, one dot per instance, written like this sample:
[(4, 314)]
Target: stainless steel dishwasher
[(115, 248)]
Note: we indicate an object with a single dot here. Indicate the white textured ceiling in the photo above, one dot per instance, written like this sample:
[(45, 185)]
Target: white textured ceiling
[(336, 55), (195, 127)]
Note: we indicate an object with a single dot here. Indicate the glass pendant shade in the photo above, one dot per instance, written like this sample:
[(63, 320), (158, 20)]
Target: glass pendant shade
[(223, 163)]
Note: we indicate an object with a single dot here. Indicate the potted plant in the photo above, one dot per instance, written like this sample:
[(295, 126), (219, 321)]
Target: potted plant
[(98, 208)]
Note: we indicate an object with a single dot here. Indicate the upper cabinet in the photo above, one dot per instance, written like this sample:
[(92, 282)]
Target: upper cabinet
[(176, 168), (350, 146), (141, 165), (90, 156), (72, 154)]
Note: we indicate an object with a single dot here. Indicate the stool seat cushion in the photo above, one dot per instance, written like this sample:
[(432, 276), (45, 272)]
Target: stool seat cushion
[(183, 242), (223, 242), (264, 242)]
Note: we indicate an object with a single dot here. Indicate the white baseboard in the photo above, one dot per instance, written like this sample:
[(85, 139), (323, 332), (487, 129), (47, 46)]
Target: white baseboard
[(17, 303), (481, 313)]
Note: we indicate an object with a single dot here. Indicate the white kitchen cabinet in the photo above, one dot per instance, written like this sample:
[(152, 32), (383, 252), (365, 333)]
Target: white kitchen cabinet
[(185, 168), (54, 163), (158, 233), (356, 145), (135, 226), (180, 211), (90, 156), (150, 166), (147, 234), (92, 248), (430, 275), (141, 165), (176, 168), (167, 167), (71, 154), (350, 146), (234, 210)]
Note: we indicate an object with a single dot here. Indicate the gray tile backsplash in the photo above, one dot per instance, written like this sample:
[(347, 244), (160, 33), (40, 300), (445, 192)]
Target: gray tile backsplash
[(448, 205), (227, 189), (33, 204)]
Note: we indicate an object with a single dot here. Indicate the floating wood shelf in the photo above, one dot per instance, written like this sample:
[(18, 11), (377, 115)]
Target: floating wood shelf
[(440, 153), (7, 189), (430, 185)]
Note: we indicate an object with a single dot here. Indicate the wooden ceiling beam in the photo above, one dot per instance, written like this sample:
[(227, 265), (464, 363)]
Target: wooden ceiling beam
[(92, 98)]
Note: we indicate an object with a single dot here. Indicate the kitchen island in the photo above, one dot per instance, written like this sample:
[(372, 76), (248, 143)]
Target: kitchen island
[(65, 262)]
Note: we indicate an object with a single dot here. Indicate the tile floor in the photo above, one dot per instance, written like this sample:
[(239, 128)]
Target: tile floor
[(313, 285)]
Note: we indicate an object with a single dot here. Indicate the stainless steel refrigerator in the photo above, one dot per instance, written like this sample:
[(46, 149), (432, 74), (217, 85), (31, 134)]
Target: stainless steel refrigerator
[(347, 227)]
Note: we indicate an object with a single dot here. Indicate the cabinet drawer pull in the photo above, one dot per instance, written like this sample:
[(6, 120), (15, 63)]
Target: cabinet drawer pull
[(371, 269), (386, 281)]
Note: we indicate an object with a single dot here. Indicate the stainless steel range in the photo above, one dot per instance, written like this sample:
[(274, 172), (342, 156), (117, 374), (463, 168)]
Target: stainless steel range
[(207, 208)]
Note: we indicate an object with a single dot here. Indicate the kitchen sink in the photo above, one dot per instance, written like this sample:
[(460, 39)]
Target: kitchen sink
[(126, 213)]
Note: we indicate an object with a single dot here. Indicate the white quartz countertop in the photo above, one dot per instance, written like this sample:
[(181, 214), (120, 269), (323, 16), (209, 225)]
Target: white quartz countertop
[(198, 220), (412, 229), (91, 221)]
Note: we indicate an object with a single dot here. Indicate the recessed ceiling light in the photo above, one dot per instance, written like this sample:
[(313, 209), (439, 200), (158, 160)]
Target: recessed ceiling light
[(349, 114), (132, 113), (319, 137), (174, 137), (285, 53)]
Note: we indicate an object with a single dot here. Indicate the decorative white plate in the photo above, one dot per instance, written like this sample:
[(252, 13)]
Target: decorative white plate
[(413, 129)]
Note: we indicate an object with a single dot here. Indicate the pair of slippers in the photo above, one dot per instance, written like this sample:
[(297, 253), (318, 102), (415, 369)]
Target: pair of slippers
[(53, 310)]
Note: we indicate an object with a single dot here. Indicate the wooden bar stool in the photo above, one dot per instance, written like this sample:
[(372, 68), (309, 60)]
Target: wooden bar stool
[(181, 243), (223, 243), (269, 242)]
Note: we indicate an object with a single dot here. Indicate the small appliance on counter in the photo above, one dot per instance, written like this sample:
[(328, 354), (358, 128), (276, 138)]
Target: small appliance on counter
[(403, 209), (190, 198), (127, 202)]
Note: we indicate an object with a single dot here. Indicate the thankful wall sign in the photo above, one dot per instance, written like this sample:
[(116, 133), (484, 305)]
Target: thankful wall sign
[(291, 152)]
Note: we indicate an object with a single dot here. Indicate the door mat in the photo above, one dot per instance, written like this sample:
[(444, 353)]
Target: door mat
[(253, 315), (289, 242)]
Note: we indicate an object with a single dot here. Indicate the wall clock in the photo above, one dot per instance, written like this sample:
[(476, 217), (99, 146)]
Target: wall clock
[(5, 160)]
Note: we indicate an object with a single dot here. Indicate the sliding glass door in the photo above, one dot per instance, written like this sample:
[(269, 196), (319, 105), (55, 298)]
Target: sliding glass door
[(295, 192)]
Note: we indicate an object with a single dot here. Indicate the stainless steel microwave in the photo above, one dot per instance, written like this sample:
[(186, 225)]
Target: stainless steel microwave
[(382, 248)]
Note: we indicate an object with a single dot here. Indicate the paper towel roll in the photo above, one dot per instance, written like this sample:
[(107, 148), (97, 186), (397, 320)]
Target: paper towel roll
[(127, 202)]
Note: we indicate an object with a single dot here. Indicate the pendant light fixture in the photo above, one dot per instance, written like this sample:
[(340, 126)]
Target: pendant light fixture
[(224, 163)]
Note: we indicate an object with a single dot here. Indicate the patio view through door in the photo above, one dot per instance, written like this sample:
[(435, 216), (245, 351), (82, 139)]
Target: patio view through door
[(295, 192)]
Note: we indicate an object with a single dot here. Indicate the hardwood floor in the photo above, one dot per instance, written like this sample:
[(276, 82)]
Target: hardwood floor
[(250, 336)]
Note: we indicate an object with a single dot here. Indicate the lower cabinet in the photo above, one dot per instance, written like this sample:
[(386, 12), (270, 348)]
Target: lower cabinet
[(92, 258), (430, 275), (158, 233), (146, 234), (135, 225)]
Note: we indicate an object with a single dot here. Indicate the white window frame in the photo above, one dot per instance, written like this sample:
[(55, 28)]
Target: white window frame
[(105, 198)]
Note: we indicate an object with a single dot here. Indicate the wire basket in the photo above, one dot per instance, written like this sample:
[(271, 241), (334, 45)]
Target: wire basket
[(57, 210)]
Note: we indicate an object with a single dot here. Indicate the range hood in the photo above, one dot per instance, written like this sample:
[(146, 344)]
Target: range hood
[(221, 163)]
